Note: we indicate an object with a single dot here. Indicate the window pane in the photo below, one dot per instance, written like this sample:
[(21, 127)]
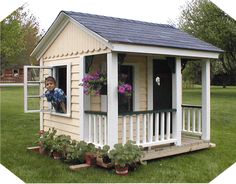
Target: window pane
[(33, 89), (33, 74), (33, 103)]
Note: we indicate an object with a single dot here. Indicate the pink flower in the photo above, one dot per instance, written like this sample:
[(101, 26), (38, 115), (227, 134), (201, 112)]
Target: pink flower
[(121, 89)]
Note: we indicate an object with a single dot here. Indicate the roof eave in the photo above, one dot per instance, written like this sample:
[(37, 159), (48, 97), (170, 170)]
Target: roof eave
[(150, 49)]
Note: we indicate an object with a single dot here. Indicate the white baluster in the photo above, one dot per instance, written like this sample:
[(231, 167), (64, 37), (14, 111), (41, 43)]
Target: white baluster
[(124, 130), (90, 128), (162, 125), (193, 123), (168, 126), (131, 127), (151, 127), (100, 129), (188, 127), (138, 130), (183, 118), (144, 128), (156, 127), (199, 121), (94, 129), (105, 130)]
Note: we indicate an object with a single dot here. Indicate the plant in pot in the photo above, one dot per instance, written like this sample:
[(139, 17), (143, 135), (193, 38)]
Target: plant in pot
[(90, 155), (59, 146), (103, 154), (75, 152), (46, 140), (95, 83), (124, 155)]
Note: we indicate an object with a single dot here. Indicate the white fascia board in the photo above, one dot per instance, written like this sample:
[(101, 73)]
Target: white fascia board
[(91, 33), (56, 28), (119, 47)]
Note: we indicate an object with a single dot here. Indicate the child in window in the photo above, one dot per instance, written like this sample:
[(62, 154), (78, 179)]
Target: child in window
[(55, 95)]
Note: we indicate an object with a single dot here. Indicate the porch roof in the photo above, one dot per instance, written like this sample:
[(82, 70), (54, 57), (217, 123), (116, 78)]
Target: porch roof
[(138, 32)]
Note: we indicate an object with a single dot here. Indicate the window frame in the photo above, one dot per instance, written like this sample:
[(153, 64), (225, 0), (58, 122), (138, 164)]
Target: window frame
[(42, 89), (68, 88)]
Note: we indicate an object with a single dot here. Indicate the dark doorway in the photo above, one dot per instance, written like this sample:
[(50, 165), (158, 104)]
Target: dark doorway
[(162, 91)]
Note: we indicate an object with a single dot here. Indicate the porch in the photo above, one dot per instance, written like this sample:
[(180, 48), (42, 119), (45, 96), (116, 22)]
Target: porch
[(145, 125)]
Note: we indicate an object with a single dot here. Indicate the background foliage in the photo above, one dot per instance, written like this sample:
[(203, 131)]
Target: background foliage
[(204, 20), (20, 33)]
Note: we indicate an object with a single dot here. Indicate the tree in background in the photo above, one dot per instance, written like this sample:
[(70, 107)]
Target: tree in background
[(204, 20), (19, 35)]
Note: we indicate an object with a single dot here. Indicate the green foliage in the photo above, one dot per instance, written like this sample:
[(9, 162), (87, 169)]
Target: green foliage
[(124, 155), (76, 152), (60, 144), (19, 36), (206, 21), (46, 140)]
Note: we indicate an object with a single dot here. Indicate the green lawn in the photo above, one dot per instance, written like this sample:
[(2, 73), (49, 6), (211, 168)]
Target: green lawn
[(19, 130)]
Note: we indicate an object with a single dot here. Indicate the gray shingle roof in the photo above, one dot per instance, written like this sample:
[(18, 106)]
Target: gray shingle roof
[(138, 32)]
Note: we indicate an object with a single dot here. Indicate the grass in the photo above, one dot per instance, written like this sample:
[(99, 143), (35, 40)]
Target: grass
[(19, 130)]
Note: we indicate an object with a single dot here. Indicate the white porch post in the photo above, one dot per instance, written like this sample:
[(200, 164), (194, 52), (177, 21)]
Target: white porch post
[(112, 101), (82, 125), (206, 100), (177, 100)]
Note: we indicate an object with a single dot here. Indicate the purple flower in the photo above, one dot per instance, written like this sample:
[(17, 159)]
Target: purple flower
[(121, 89)]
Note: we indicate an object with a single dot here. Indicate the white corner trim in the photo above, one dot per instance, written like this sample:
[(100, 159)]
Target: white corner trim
[(118, 47), (150, 82)]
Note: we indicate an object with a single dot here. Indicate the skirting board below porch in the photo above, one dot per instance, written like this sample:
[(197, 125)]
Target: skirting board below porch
[(188, 145)]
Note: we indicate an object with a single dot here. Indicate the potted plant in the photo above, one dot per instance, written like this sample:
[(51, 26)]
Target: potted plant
[(90, 155), (124, 155), (75, 152), (59, 146), (103, 154), (45, 141), (95, 83)]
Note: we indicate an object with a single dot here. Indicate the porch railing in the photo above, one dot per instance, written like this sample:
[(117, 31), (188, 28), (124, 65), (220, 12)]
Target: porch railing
[(97, 127), (192, 119), (147, 128)]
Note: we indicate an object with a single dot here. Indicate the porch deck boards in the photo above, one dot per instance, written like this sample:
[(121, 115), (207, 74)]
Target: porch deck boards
[(189, 144)]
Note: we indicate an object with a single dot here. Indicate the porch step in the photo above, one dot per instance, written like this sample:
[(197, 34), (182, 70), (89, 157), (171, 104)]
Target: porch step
[(189, 146)]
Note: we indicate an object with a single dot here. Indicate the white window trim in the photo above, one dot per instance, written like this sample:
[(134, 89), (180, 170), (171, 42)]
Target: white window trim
[(135, 86), (136, 75), (68, 89)]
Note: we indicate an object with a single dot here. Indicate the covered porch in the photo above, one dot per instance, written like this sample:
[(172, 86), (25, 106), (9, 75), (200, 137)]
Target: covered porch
[(147, 125)]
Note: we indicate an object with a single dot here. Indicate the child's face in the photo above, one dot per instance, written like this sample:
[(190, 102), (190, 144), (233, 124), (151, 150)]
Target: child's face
[(50, 85)]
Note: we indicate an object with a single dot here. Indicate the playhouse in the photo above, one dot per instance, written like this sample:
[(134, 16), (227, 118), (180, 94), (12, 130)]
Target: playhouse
[(150, 55)]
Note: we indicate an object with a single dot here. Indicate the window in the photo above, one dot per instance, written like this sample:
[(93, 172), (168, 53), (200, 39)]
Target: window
[(125, 104), (62, 74)]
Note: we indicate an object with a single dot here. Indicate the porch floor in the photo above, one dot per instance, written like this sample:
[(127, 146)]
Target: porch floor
[(189, 144)]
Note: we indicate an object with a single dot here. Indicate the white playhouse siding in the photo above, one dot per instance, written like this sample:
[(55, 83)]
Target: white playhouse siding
[(69, 45)]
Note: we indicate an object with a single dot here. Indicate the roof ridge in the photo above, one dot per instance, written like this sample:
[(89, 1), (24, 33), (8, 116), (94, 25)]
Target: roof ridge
[(122, 19)]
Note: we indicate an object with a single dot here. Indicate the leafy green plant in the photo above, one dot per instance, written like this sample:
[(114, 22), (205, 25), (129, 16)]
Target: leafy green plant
[(124, 155), (103, 153), (60, 144), (46, 140), (75, 152)]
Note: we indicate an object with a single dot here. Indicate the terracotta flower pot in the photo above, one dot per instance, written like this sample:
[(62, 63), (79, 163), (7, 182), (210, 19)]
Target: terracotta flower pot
[(90, 158), (122, 170), (56, 155)]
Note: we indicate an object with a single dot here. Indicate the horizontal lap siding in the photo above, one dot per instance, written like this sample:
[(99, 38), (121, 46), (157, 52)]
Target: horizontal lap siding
[(66, 125)]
